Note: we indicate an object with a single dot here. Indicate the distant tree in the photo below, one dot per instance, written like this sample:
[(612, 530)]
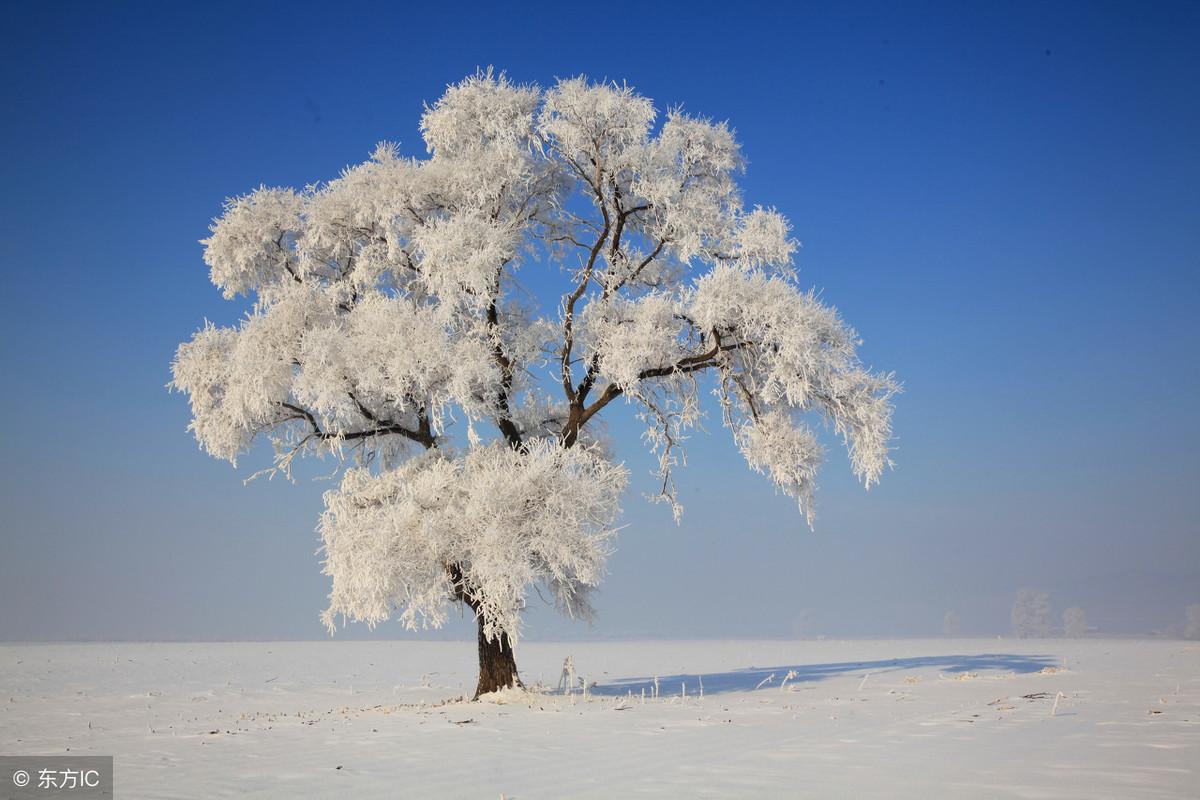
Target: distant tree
[(1191, 622), (557, 251), (951, 624), (1075, 623), (1031, 614), (805, 624)]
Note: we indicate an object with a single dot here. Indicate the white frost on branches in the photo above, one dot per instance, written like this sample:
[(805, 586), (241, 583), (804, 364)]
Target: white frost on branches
[(409, 295), (482, 528)]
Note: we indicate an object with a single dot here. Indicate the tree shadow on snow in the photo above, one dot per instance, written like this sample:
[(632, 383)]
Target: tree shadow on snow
[(747, 679)]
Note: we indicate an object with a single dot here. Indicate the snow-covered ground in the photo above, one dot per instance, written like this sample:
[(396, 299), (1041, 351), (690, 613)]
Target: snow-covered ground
[(943, 718)]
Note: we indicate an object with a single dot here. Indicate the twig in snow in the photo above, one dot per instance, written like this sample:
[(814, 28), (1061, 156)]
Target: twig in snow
[(567, 678)]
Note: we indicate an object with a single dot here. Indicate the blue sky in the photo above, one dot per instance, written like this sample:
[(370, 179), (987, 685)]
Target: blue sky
[(1002, 199)]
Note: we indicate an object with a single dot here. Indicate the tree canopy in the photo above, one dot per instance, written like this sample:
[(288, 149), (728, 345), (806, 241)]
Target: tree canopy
[(392, 307)]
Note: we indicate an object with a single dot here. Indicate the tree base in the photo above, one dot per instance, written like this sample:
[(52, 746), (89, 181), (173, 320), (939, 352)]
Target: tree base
[(497, 666)]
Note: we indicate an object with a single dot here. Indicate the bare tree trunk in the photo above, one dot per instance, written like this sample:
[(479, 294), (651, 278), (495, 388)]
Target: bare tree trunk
[(497, 667)]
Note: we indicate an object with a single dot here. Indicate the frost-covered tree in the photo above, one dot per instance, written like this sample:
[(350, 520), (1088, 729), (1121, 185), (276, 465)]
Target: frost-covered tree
[(1075, 623), (951, 624), (1191, 622), (451, 327), (1031, 616)]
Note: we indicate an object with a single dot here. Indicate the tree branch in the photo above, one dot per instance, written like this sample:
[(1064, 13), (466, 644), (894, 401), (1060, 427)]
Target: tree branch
[(383, 428), (684, 366), (504, 418), (569, 310)]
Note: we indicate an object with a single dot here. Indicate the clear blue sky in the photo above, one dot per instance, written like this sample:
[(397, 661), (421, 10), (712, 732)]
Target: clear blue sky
[(1004, 199)]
